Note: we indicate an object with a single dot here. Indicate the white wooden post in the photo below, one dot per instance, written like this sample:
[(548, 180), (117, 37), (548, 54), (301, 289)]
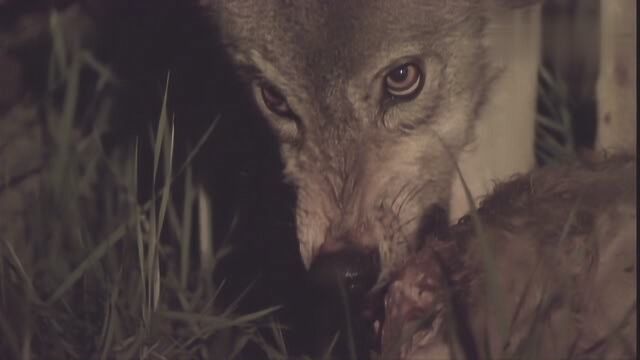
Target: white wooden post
[(505, 130), (616, 88)]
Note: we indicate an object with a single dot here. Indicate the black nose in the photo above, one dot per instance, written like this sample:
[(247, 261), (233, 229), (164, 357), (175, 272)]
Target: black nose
[(348, 270), (340, 282)]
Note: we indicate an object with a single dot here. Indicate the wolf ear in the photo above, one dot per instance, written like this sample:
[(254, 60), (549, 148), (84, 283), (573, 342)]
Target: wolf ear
[(514, 4)]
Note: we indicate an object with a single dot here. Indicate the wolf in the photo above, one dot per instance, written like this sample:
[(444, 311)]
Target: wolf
[(372, 102)]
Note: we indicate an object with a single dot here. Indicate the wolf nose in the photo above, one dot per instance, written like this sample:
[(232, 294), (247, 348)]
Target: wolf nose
[(350, 271)]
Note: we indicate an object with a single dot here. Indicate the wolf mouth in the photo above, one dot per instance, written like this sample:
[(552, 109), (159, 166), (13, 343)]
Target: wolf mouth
[(434, 223), (350, 291)]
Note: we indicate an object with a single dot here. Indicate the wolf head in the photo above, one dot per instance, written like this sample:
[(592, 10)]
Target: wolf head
[(371, 101)]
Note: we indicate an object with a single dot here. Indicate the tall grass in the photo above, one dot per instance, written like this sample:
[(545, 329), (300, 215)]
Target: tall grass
[(100, 275), (554, 142)]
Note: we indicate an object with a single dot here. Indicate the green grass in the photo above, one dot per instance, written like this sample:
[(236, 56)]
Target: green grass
[(100, 275), (554, 121)]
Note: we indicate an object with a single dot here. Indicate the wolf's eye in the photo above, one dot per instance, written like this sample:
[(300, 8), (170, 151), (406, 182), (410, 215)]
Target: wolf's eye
[(404, 81), (274, 100)]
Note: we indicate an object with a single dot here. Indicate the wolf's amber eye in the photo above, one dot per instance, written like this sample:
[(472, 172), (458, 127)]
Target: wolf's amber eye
[(404, 81), (274, 100)]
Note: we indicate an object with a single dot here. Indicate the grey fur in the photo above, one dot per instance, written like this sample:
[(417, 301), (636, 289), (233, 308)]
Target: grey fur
[(365, 170)]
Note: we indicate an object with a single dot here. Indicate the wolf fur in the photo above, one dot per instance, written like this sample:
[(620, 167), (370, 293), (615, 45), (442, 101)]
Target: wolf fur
[(368, 170)]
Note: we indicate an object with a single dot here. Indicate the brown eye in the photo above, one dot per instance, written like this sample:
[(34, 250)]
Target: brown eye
[(404, 81), (275, 101)]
